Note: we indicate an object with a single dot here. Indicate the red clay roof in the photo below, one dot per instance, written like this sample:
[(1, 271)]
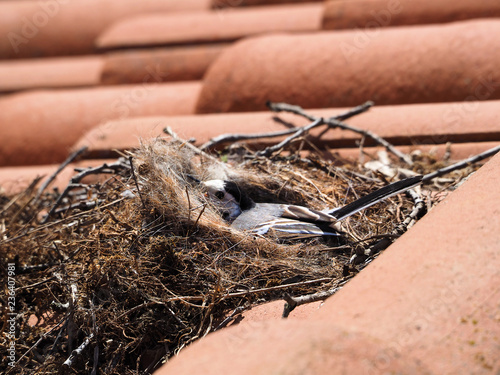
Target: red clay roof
[(429, 303), (43, 125), (345, 68), (369, 14), (61, 27), (217, 26), (414, 125)]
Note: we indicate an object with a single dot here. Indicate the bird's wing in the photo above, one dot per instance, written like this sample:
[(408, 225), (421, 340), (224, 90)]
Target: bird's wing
[(293, 228), (375, 197), (306, 214)]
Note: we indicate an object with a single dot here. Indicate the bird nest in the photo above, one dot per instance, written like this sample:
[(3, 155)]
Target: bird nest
[(118, 274)]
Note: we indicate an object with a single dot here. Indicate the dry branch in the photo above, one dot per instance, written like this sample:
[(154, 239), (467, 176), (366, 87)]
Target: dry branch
[(334, 122)]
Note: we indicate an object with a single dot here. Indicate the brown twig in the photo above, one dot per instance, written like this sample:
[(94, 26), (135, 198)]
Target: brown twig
[(293, 302), (231, 138), (74, 182), (298, 133), (334, 122), (170, 132), (52, 177), (135, 180), (75, 353)]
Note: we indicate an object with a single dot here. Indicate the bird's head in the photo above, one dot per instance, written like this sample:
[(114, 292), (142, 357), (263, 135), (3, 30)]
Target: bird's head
[(228, 198)]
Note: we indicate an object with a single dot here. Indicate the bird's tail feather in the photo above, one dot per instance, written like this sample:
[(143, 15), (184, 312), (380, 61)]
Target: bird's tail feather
[(375, 197)]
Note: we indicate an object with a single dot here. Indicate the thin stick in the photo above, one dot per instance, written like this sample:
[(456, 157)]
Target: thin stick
[(52, 177), (189, 204), (170, 132), (231, 138), (293, 302), (199, 216), (252, 291), (135, 180), (295, 109), (333, 122), (230, 318), (298, 133), (39, 341), (75, 353), (74, 182)]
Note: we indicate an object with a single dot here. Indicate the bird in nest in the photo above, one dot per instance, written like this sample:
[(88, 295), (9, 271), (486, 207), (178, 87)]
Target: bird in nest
[(286, 220)]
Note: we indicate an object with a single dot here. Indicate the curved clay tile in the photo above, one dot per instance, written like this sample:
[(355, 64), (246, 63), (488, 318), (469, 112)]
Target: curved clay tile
[(365, 14), (216, 26), (452, 62), (62, 27), (170, 64), (39, 127), (59, 72), (413, 125), (244, 3), (14, 180)]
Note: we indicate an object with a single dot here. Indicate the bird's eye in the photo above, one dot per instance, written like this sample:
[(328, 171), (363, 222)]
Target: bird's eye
[(219, 195)]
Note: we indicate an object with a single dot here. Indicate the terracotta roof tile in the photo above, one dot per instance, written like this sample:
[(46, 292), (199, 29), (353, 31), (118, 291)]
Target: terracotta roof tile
[(168, 64), (32, 27), (429, 304), (42, 125), (345, 68), (381, 13), (245, 3), (16, 75), (216, 26), (401, 125), (14, 180)]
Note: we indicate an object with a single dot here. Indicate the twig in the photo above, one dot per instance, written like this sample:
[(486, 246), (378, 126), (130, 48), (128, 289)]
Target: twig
[(135, 180), (95, 330), (35, 284), (298, 133), (252, 291), (75, 353), (284, 107), (170, 132), (277, 287), (293, 302), (74, 182), (231, 138), (52, 177), (39, 341), (461, 164), (230, 317), (189, 204), (199, 216), (334, 122)]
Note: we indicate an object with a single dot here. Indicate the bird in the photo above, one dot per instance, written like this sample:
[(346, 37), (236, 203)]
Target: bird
[(285, 220)]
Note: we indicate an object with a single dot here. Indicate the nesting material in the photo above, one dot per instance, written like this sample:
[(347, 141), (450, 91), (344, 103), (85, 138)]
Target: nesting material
[(135, 267)]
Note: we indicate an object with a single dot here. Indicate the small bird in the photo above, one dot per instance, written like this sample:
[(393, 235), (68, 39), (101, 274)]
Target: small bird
[(286, 220)]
